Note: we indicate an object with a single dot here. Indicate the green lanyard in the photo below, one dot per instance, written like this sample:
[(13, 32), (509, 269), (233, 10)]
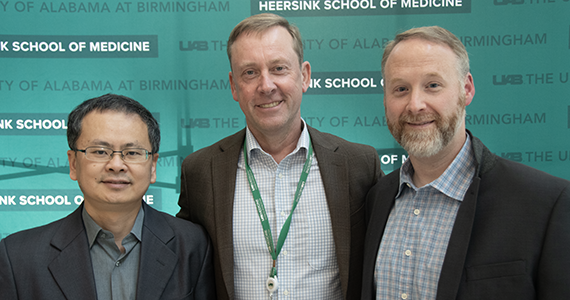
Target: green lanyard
[(261, 208)]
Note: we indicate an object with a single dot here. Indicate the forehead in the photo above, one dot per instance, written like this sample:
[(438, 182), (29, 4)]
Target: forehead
[(275, 39), (114, 128), (420, 56), (273, 33)]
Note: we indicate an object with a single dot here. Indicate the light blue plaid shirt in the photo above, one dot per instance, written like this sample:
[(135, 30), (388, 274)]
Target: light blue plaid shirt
[(306, 267), (415, 240)]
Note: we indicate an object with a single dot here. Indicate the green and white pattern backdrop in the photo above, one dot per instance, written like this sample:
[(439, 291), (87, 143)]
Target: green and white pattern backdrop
[(171, 57)]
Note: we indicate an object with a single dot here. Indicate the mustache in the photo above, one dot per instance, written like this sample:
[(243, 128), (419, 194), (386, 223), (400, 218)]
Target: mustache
[(419, 118)]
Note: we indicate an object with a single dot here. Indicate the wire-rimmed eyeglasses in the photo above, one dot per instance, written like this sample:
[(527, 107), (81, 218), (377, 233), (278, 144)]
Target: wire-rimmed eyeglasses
[(103, 154)]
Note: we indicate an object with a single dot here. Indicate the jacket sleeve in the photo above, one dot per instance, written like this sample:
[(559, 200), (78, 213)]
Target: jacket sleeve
[(7, 280), (205, 286), (553, 271)]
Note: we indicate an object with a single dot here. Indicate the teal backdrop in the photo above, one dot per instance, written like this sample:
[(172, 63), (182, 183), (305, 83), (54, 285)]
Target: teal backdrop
[(171, 57)]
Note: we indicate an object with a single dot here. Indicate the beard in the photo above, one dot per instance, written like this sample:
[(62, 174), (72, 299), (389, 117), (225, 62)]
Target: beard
[(427, 142)]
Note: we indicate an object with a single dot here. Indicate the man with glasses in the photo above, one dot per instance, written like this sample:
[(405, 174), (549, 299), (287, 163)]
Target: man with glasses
[(114, 246)]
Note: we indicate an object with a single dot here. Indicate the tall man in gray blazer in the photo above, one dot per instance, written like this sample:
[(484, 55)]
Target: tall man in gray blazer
[(113, 246), (457, 221), (247, 188)]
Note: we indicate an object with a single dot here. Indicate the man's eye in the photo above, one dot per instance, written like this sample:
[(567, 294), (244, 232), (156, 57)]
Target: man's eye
[(401, 89), (433, 85), (99, 152), (133, 153)]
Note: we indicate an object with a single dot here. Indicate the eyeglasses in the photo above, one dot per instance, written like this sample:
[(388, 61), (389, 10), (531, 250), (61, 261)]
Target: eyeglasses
[(103, 154)]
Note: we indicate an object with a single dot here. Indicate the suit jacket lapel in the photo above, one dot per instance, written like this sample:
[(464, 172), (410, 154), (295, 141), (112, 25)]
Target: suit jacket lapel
[(224, 168), (454, 262), (72, 269), (379, 204), (334, 174), (157, 261)]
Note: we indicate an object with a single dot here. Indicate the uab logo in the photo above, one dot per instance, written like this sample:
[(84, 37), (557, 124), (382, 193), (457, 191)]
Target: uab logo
[(515, 79), (194, 45), (505, 2), (514, 156), (193, 123)]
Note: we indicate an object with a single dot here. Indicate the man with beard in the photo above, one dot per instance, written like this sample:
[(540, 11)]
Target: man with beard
[(457, 221)]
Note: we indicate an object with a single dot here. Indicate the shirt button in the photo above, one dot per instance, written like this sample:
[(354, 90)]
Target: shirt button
[(416, 212), (118, 263), (408, 252), (404, 296), (284, 252), (283, 213), (280, 175), (286, 292)]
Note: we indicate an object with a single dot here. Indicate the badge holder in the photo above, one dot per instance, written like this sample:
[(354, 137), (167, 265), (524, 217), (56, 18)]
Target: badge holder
[(272, 284)]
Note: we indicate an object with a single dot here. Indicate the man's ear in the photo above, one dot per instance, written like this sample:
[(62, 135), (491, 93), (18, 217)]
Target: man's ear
[(469, 88), (153, 168), (306, 73), (233, 87), (72, 157)]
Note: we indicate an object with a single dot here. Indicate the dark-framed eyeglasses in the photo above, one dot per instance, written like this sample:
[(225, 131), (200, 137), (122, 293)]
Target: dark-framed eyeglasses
[(103, 154)]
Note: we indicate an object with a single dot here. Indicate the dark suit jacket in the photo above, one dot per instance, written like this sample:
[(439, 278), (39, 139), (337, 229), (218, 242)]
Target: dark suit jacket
[(511, 238), (348, 171), (52, 262)]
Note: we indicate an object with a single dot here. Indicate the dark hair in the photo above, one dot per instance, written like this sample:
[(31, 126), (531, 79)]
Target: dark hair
[(260, 23), (111, 102)]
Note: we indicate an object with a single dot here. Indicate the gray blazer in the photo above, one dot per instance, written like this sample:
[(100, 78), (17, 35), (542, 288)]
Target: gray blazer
[(510, 239), (52, 262), (348, 170)]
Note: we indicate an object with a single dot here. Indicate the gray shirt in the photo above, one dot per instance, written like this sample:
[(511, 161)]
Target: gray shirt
[(115, 273)]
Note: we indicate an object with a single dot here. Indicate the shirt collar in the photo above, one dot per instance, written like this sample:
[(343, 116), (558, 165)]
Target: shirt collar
[(456, 179), (93, 228), (303, 142)]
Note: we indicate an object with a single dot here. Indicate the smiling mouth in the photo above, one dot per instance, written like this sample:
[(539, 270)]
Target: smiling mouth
[(115, 182), (420, 123), (270, 105)]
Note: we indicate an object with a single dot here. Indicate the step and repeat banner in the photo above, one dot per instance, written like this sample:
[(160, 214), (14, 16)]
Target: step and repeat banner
[(171, 57)]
